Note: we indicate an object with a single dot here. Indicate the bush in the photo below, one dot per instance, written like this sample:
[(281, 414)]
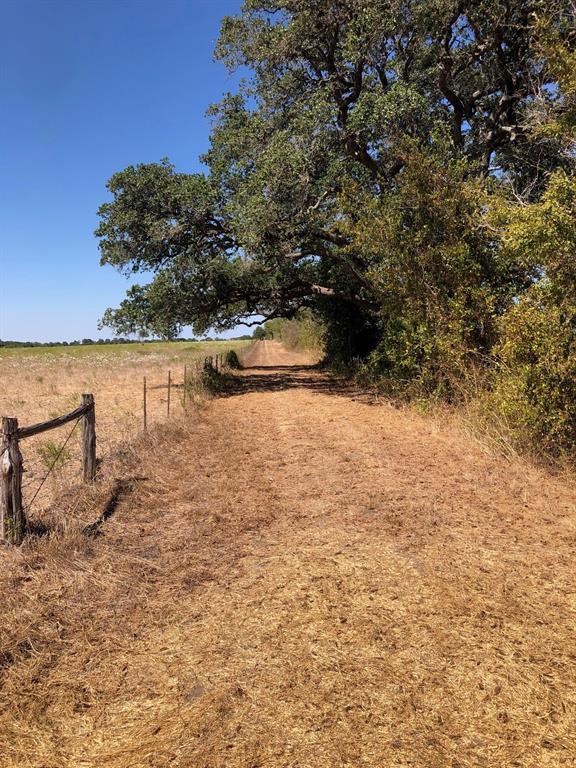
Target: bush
[(535, 388), (213, 382), (304, 332), (233, 361), (437, 277)]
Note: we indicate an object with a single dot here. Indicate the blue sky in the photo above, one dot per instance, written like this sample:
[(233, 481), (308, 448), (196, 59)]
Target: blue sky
[(88, 87)]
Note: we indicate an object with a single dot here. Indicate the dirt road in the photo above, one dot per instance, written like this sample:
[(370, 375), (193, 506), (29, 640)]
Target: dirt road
[(308, 578)]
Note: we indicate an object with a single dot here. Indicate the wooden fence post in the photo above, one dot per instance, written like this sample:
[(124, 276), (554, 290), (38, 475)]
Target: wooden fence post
[(12, 516), (89, 439), (144, 406)]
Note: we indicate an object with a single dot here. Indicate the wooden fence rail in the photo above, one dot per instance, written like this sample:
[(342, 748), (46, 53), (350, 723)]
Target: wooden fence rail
[(13, 521), (59, 421)]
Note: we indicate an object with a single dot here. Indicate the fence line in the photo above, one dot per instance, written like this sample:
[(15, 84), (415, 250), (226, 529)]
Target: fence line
[(13, 520), (13, 517)]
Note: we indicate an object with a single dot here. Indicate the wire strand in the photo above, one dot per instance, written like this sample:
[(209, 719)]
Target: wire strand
[(64, 444)]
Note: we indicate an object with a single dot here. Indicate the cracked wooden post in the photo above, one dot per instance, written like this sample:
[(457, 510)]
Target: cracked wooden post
[(12, 515), (89, 439)]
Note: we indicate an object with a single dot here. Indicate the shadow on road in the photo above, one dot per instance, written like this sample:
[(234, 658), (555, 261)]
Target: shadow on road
[(277, 378)]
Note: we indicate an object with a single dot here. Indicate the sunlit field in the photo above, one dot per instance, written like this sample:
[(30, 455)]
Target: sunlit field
[(39, 383)]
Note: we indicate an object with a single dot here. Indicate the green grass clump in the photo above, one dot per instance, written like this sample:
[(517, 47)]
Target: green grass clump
[(53, 456)]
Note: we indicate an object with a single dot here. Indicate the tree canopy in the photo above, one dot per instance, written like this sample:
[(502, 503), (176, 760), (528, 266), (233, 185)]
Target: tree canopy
[(353, 174), (343, 96)]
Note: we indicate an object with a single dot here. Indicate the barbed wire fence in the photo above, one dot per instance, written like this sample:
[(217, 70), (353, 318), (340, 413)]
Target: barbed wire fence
[(49, 458)]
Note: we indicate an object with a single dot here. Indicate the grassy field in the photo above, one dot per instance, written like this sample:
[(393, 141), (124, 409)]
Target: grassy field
[(38, 383), (113, 350)]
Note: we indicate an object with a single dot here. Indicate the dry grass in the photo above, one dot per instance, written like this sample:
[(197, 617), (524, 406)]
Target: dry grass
[(301, 579), (40, 383)]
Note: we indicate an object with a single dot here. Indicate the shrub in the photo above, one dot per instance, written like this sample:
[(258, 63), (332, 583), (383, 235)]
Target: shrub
[(259, 334), (535, 388), (438, 277), (53, 456), (233, 361), (304, 332), (214, 382)]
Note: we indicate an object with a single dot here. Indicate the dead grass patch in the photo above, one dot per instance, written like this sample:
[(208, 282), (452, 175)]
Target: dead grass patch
[(302, 579)]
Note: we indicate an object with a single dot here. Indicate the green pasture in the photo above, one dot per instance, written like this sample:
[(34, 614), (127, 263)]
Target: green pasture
[(170, 348)]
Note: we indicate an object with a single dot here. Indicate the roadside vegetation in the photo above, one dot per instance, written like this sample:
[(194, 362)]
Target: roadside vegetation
[(305, 332), (232, 360)]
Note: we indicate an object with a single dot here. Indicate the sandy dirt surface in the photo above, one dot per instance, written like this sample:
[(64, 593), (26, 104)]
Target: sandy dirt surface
[(306, 578)]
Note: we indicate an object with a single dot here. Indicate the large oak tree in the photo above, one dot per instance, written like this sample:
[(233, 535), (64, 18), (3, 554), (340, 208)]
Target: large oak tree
[(385, 118)]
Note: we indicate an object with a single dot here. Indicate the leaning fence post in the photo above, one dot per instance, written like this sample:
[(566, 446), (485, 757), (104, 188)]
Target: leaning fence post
[(89, 439), (12, 516)]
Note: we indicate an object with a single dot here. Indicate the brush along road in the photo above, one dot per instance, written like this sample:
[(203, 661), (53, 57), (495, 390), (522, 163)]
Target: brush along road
[(307, 578)]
